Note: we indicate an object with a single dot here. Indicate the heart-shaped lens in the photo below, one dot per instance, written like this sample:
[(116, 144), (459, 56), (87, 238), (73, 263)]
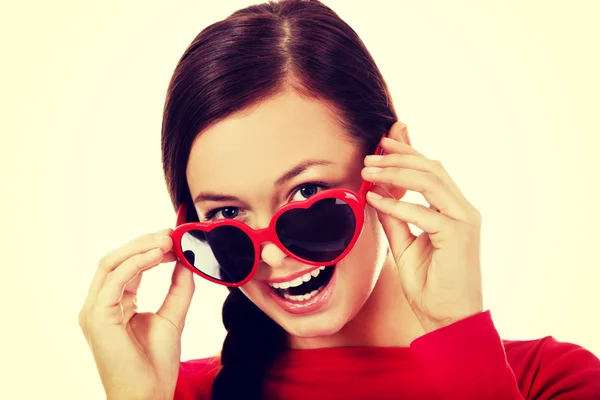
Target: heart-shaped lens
[(225, 253), (319, 233)]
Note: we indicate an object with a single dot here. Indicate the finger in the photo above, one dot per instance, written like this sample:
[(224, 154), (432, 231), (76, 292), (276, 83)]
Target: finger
[(396, 230), (133, 285), (116, 257), (109, 296), (136, 246), (394, 147), (178, 299), (427, 220), (434, 191), (410, 161), (129, 306)]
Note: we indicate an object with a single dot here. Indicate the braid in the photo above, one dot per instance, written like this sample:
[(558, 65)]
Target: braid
[(252, 343)]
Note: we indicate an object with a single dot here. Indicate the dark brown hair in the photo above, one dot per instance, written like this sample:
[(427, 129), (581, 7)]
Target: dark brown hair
[(234, 64)]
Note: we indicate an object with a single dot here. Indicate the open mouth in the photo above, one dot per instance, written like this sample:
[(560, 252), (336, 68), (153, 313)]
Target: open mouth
[(305, 287)]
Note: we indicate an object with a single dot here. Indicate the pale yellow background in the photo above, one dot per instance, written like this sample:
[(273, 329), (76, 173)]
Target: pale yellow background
[(505, 94)]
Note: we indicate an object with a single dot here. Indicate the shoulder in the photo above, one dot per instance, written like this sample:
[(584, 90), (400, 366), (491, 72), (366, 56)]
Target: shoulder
[(541, 369), (195, 378), (551, 367)]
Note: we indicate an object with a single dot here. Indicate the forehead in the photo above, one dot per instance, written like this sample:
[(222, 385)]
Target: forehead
[(257, 146)]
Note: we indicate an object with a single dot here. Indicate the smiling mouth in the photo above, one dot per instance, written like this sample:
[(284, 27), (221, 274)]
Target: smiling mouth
[(305, 287)]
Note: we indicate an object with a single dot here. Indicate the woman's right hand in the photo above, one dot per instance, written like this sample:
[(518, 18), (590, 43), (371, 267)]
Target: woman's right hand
[(137, 354)]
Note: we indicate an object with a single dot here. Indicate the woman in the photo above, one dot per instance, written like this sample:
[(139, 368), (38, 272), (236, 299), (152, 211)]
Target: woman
[(271, 108)]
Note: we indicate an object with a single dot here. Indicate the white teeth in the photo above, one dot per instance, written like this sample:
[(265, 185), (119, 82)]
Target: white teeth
[(304, 297), (284, 285), (298, 281)]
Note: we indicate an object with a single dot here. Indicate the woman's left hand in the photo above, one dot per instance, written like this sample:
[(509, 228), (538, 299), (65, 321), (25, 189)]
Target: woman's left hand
[(439, 269)]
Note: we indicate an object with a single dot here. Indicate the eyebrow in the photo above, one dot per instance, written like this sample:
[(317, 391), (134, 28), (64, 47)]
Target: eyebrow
[(286, 177)]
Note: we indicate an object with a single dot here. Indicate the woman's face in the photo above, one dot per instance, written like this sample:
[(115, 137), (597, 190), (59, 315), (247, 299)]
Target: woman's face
[(243, 159)]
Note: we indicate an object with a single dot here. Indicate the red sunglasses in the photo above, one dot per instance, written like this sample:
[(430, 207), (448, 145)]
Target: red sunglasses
[(319, 231)]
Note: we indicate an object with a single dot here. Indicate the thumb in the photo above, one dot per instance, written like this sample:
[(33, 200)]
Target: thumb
[(179, 298), (400, 239), (397, 231)]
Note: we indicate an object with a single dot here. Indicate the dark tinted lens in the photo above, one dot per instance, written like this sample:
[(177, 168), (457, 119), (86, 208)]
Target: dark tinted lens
[(225, 253), (320, 233)]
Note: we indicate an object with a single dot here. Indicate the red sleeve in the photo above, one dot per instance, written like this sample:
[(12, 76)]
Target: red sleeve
[(549, 369), (195, 379), (468, 360)]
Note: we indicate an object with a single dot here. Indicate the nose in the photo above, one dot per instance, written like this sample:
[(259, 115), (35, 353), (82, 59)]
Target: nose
[(272, 255), (269, 252)]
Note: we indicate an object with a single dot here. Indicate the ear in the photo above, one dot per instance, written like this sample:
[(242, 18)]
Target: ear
[(399, 132)]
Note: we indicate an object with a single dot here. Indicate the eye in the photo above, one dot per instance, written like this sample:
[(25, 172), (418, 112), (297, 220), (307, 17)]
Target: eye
[(307, 190), (222, 213)]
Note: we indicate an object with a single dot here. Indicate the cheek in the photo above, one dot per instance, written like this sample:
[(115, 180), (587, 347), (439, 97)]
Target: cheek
[(358, 273), (371, 246), (253, 291), (363, 264)]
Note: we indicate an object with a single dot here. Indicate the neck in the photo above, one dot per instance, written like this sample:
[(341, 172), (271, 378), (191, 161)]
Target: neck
[(385, 320)]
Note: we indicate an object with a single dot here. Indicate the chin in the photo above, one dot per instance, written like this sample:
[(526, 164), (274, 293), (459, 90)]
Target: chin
[(322, 326), (325, 313)]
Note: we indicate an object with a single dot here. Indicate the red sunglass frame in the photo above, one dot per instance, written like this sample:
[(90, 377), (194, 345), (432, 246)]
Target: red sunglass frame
[(357, 203)]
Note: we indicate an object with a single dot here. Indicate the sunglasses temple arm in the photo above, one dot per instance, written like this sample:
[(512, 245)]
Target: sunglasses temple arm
[(181, 215), (366, 186)]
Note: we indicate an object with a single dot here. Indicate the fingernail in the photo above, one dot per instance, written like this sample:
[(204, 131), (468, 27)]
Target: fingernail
[(374, 157), (373, 196), (164, 232), (389, 140), (371, 170)]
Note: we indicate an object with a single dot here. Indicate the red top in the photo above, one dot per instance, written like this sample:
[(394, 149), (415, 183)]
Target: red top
[(463, 361)]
